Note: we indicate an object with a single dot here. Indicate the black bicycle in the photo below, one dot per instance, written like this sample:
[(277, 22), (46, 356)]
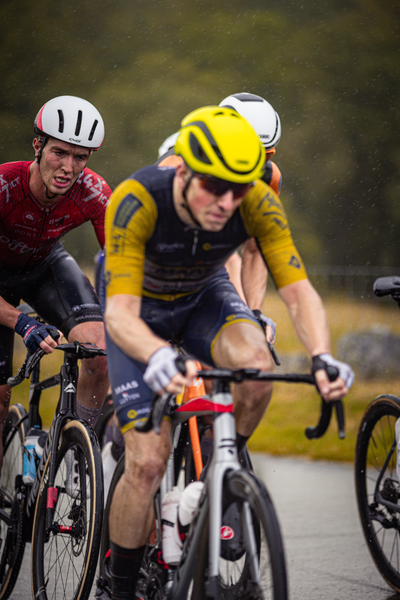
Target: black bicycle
[(377, 470), (234, 548), (61, 511)]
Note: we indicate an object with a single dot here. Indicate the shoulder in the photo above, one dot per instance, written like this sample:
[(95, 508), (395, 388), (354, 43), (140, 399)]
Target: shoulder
[(90, 182), (154, 178), (262, 206), (272, 176), (11, 170)]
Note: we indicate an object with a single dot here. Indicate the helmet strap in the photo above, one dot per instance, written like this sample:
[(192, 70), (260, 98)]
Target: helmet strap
[(42, 145), (185, 204), (39, 158)]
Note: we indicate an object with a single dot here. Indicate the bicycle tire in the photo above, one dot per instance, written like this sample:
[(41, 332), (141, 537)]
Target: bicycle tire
[(381, 526), (106, 411), (64, 559), (104, 581), (11, 513), (234, 581)]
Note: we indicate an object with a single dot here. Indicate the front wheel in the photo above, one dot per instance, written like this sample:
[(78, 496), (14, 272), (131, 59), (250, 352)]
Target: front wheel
[(11, 519), (378, 486), (252, 560), (64, 556)]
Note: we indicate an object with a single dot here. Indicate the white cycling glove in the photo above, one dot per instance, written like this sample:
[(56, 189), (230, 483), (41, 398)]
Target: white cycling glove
[(345, 371), (161, 368), (265, 322)]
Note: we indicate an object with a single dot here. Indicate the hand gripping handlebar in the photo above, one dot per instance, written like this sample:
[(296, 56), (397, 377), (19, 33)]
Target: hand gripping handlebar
[(163, 405)]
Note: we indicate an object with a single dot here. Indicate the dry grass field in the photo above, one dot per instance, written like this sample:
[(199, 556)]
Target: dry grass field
[(293, 407)]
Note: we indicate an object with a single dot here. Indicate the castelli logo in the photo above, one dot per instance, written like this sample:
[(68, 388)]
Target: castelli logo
[(226, 533), (29, 218)]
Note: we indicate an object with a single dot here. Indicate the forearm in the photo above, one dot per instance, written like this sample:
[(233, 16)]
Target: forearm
[(308, 316), (8, 314), (128, 331), (254, 275)]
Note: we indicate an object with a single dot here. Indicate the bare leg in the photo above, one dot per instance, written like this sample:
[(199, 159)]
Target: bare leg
[(131, 511), (93, 375), (243, 345)]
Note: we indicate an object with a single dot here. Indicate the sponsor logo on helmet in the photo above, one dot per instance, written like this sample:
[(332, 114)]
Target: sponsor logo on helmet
[(226, 533), (74, 141)]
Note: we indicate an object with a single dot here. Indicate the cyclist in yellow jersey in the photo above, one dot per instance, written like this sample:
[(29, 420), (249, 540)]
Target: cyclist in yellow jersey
[(248, 273), (168, 235)]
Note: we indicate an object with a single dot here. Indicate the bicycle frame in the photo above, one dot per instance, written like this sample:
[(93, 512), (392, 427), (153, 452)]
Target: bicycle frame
[(65, 411), (224, 459)]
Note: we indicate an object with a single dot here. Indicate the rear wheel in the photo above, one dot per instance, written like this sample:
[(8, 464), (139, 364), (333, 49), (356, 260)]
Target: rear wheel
[(11, 536), (378, 486), (64, 557)]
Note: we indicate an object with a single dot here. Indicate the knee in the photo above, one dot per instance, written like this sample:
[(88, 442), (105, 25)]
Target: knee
[(145, 471), (255, 355), (96, 367)]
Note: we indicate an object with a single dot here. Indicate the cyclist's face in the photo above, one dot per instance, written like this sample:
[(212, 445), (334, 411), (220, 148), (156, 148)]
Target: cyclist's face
[(211, 210), (61, 164)]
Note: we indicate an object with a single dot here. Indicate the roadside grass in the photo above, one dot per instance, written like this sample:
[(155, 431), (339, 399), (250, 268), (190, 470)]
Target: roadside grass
[(293, 407)]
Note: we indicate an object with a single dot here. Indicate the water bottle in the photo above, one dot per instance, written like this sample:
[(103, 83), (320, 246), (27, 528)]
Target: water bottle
[(171, 545), (179, 509), (37, 455), (187, 507), (31, 440)]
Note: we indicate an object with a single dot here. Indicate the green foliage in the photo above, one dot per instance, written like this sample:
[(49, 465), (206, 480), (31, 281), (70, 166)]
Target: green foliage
[(330, 70)]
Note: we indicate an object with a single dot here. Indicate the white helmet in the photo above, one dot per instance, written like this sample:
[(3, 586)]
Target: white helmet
[(260, 115), (168, 144), (71, 119)]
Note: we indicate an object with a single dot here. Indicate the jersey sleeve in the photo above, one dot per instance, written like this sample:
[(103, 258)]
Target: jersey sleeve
[(130, 220), (265, 219), (276, 179)]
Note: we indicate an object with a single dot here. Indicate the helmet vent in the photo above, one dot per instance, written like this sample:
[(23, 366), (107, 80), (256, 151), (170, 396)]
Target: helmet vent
[(91, 134), (78, 123), (60, 121), (197, 150)]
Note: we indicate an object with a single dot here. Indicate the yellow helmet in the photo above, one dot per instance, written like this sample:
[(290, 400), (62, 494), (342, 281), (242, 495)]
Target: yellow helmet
[(219, 142)]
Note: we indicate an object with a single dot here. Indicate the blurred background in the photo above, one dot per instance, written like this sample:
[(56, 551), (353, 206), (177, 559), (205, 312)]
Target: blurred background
[(332, 72), (330, 69)]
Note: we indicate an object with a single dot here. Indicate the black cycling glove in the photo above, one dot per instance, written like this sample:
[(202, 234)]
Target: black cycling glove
[(33, 332)]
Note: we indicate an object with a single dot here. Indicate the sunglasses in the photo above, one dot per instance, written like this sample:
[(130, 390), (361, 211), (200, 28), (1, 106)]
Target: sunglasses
[(219, 187)]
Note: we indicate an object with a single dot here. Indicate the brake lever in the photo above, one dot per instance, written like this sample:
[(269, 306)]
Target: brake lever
[(326, 413), (160, 408)]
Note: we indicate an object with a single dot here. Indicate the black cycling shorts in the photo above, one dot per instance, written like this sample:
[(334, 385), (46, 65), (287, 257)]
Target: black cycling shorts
[(194, 321), (59, 292)]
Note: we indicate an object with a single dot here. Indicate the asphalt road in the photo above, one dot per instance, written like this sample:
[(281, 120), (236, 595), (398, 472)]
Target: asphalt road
[(326, 554)]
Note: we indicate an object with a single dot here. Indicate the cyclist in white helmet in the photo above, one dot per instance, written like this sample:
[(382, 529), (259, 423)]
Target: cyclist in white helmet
[(40, 201)]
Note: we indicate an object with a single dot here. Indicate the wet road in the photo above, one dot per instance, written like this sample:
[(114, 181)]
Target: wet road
[(326, 554)]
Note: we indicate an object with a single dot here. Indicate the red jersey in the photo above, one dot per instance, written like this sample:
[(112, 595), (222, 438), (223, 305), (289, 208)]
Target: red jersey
[(28, 230)]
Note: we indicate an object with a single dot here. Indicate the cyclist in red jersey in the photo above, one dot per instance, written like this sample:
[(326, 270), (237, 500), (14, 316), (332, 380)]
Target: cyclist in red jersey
[(40, 201)]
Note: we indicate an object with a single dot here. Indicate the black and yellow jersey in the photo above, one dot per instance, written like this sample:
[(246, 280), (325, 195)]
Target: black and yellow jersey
[(151, 252)]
